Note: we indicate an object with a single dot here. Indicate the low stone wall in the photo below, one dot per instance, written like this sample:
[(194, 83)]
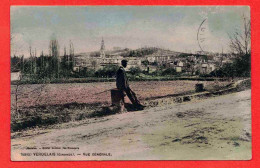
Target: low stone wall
[(237, 86)]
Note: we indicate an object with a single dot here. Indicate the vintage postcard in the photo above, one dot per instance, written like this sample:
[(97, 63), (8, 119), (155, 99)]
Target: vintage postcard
[(130, 83)]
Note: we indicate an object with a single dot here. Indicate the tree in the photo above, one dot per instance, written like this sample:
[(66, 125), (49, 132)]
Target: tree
[(240, 41), (191, 66), (54, 53), (94, 64), (71, 56), (42, 61), (145, 63), (169, 71), (16, 63), (107, 71), (31, 59), (64, 60), (240, 45), (135, 70), (22, 63), (34, 62)]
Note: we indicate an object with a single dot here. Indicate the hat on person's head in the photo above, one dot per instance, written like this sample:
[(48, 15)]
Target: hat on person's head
[(124, 61)]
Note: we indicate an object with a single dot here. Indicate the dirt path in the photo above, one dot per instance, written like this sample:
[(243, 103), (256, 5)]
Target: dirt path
[(217, 128)]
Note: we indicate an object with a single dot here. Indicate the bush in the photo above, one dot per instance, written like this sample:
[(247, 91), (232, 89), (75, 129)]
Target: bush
[(157, 72), (244, 85), (169, 71), (135, 70), (86, 72), (107, 71), (241, 67), (145, 62), (154, 63)]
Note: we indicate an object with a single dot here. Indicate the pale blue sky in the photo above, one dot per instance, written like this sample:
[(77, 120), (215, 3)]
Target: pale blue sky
[(170, 27)]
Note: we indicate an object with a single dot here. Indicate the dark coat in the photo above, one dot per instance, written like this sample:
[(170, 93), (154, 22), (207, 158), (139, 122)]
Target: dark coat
[(121, 79)]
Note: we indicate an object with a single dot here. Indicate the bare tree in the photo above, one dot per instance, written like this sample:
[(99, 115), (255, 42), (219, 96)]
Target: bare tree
[(34, 62), (72, 58), (42, 61), (240, 40), (54, 48), (31, 59), (54, 53)]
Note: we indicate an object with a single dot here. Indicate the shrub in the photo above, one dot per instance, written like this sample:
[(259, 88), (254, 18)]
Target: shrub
[(107, 71), (86, 72), (241, 67), (135, 70), (169, 71), (145, 62), (157, 72)]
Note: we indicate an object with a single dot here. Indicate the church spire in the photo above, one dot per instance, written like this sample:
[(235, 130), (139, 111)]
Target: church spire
[(102, 49), (102, 44)]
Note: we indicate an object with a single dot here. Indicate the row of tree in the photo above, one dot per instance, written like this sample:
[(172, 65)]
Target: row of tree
[(46, 66)]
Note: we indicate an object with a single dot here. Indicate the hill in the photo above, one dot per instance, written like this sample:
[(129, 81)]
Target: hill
[(146, 52)]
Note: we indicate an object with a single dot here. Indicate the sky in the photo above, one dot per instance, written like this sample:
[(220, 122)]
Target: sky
[(169, 27)]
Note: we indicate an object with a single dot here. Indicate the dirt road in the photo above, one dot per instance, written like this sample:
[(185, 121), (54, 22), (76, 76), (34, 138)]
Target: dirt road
[(217, 128)]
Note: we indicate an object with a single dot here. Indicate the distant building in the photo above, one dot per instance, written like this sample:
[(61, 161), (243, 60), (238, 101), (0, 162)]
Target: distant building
[(133, 62), (159, 57), (16, 76), (178, 69), (205, 67), (162, 57), (151, 59), (178, 65), (97, 60)]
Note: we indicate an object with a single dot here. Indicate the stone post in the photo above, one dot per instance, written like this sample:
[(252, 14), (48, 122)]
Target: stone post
[(117, 98), (199, 87)]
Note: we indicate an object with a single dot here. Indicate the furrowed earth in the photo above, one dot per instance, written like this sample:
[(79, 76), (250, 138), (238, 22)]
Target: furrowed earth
[(93, 93), (47, 104)]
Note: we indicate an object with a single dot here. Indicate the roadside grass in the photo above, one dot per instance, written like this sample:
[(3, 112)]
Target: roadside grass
[(51, 114)]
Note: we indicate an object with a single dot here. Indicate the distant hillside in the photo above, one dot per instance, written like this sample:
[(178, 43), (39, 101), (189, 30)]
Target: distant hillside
[(146, 52), (164, 52), (140, 52), (208, 56)]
